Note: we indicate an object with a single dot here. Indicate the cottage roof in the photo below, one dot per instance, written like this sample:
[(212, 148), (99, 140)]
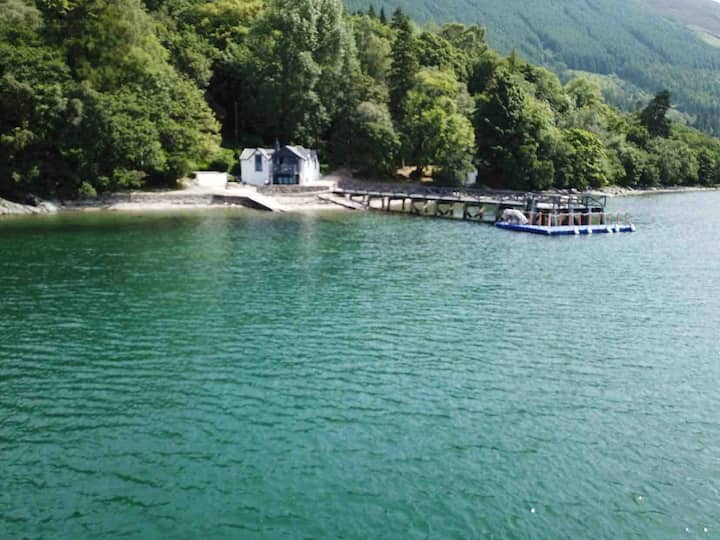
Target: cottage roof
[(248, 153), (301, 152)]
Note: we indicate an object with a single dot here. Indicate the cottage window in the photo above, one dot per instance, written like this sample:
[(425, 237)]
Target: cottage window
[(258, 163)]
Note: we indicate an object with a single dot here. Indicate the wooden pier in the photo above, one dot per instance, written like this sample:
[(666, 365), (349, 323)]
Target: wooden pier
[(480, 206)]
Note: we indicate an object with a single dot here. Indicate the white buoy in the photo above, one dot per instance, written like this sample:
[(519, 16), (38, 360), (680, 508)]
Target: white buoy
[(532, 510)]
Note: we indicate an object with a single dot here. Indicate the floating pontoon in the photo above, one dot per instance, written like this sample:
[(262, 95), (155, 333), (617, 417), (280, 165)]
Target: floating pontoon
[(564, 215)]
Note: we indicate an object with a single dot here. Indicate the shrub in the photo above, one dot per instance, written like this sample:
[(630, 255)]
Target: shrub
[(87, 191)]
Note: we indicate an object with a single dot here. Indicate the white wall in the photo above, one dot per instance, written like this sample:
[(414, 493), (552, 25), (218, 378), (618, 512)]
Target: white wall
[(256, 178), (212, 180), (309, 171)]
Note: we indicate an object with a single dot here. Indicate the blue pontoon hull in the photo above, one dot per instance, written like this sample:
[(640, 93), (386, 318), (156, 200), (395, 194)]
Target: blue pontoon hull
[(565, 230)]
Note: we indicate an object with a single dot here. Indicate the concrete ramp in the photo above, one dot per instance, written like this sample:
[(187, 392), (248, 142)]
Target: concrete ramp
[(268, 203), (341, 201), (249, 198)]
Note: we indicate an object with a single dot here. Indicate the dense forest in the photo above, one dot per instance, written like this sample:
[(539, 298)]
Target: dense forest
[(98, 96), (631, 39)]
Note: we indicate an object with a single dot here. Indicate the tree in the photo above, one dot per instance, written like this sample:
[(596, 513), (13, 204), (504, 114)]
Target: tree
[(671, 162), (635, 163), (368, 141), (299, 51), (374, 45), (436, 131), (223, 21), (581, 160), (707, 167), (435, 51), (654, 116), (404, 65), (19, 14), (515, 133), (583, 93)]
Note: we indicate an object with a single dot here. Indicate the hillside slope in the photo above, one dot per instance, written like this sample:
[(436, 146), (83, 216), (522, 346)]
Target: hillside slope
[(699, 15), (634, 39)]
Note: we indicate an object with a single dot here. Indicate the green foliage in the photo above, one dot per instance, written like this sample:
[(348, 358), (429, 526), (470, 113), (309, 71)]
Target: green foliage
[(223, 21), (89, 99), (405, 64), (654, 116), (374, 43), (369, 143), (98, 96), (19, 14), (515, 132), (436, 130), (630, 41), (223, 160), (580, 161), (87, 191)]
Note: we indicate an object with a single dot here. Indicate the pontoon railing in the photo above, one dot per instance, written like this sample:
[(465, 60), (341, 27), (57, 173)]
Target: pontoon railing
[(549, 219)]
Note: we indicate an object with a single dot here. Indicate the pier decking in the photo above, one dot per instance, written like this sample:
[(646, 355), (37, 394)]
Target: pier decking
[(464, 204)]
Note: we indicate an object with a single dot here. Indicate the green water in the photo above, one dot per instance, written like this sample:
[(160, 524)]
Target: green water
[(237, 375)]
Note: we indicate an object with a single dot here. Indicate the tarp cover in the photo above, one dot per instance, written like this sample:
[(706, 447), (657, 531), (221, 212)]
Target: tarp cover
[(514, 216)]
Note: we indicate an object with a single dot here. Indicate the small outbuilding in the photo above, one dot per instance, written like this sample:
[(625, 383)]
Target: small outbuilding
[(286, 165), (211, 179)]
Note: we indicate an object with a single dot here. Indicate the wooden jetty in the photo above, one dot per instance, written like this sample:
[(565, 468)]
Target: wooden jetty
[(472, 205), (436, 202), (550, 212)]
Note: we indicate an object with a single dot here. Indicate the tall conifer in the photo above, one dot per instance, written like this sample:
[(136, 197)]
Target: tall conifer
[(404, 66)]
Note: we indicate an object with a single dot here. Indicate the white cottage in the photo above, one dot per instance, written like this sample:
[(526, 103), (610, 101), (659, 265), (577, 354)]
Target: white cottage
[(287, 165), (256, 166)]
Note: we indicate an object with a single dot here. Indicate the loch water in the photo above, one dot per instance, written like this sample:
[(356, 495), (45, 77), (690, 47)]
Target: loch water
[(234, 374)]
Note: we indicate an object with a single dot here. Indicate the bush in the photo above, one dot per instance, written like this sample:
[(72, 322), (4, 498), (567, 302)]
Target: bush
[(87, 191), (128, 179), (223, 161)]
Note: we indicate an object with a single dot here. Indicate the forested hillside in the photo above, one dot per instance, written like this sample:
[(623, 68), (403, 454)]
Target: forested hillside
[(98, 96), (702, 16), (630, 38)]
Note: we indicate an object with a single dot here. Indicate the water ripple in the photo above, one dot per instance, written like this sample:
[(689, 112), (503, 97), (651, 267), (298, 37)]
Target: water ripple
[(234, 374)]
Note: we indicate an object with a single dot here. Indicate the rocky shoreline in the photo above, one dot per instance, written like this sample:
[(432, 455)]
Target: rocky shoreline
[(618, 191), (12, 208), (290, 200), (191, 198)]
